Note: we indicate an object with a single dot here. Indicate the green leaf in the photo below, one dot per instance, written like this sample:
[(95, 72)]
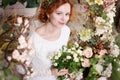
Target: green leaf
[(22, 1), (115, 74), (8, 2), (4, 45), (15, 78), (32, 3), (11, 2), (5, 3), (118, 40), (7, 72), (6, 26)]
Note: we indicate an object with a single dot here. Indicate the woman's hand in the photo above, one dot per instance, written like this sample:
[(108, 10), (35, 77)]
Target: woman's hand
[(55, 72)]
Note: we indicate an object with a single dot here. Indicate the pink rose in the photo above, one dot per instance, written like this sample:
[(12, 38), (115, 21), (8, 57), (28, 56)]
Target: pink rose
[(87, 52), (86, 63), (102, 53)]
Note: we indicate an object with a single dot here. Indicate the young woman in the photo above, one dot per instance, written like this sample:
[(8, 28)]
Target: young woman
[(50, 37)]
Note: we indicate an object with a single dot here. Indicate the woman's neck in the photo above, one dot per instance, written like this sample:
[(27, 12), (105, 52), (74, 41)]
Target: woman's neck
[(49, 32), (51, 28)]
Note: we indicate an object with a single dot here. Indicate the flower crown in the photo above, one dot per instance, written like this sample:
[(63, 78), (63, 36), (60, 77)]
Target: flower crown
[(47, 3)]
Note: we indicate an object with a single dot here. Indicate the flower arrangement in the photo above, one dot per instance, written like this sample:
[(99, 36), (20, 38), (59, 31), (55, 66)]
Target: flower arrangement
[(12, 37), (91, 55)]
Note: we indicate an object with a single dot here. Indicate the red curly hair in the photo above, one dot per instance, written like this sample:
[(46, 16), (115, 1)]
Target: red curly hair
[(48, 8)]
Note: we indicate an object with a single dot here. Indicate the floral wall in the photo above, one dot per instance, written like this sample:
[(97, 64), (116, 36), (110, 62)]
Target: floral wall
[(91, 31)]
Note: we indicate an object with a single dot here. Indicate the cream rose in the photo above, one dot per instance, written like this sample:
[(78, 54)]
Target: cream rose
[(87, 52)]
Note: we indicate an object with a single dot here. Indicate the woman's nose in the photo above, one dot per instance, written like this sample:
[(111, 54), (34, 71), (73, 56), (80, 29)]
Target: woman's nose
[(63, 17)]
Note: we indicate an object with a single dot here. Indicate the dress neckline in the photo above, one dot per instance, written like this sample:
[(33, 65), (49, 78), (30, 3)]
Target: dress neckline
[(50, 41)]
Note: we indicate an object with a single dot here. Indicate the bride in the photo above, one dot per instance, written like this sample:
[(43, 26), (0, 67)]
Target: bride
[(50, 37)]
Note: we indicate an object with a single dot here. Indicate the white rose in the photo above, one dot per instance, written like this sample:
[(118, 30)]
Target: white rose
[(99, 68), (114, 50)]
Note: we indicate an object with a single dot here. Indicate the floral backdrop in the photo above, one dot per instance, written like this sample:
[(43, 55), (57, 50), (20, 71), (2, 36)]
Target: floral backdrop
[(91, 54)]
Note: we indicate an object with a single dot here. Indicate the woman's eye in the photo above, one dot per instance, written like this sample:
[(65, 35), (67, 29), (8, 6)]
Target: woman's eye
[(58, 13), (68, 14)]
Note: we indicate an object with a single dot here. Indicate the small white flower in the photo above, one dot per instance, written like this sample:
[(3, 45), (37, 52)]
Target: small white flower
[(76, 59), (55, 64), (79, 52), (68, 57), (73, 48), (118, 69), (75, 55), (59, 54), (56, 57), (76, 44), (19, 21), (69, 50), (9, 58)]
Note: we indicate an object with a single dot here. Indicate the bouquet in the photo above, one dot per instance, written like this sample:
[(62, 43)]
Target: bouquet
[(91, 55)]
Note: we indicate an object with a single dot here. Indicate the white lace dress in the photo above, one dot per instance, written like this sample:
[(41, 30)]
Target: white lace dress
[(43, 48)]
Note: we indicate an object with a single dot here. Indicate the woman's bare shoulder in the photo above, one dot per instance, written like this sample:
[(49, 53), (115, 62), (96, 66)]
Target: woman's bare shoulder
[(39, 29)]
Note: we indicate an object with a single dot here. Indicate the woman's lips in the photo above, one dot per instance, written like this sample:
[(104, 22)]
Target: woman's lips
[(62, 23)]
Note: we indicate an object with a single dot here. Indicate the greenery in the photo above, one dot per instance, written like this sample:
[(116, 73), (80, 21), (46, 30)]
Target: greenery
[(30, 3)]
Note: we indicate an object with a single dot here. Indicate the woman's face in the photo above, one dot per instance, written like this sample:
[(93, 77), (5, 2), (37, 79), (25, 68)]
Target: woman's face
[(61, 15)]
